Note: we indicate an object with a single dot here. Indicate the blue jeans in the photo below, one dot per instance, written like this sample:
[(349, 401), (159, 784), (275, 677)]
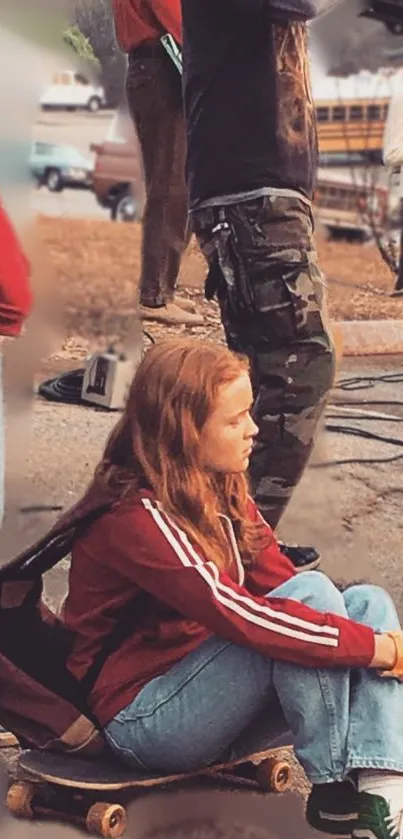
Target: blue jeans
[(223, 700)]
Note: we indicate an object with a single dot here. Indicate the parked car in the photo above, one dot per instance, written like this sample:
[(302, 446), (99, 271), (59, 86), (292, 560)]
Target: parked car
[(71, 90), (57, 167), (117, 177)]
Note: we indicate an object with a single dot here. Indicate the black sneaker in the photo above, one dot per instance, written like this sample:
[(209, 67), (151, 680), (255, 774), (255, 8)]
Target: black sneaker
[(334, 808), (303, 558)]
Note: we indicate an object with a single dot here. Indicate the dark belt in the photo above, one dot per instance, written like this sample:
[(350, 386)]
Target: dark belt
[(147, 50)]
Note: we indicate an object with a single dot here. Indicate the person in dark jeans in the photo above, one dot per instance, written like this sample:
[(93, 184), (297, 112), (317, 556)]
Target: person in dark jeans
[(154, 97), (251, 165)]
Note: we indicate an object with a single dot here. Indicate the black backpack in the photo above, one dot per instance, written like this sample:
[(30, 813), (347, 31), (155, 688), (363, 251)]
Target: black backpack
[(40, 700)]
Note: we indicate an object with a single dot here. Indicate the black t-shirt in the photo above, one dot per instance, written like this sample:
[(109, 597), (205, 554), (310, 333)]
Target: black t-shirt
[(248, 102)]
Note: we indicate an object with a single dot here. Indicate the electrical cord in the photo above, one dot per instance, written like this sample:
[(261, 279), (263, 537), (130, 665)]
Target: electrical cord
[(362, 432), (362, 383), (64, 388), (67, 387), (42, 508)]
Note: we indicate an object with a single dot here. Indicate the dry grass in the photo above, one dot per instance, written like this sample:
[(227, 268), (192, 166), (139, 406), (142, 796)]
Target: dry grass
[(97, 265)]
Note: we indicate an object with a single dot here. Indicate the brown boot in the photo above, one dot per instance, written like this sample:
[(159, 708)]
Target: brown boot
[(171, 314), (7, 739), (185, 304)]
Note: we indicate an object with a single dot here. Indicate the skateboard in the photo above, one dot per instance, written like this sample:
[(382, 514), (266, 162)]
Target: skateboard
[(94, 794)]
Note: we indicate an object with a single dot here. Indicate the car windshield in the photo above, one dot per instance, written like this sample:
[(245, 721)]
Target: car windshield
[(44, 149), (65, 154)]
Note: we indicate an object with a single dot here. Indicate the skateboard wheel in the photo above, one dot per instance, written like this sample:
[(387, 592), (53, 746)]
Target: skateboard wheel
[(274, 775), (19, 799), (108, 820)]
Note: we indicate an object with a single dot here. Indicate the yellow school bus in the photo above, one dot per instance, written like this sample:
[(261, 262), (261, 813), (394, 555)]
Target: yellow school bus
[(351, 114)]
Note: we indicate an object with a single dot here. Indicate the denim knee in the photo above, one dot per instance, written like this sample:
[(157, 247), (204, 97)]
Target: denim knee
[(316, 589), (371, 605)]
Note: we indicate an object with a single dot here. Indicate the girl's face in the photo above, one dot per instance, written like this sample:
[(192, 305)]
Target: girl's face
[(227, 437)]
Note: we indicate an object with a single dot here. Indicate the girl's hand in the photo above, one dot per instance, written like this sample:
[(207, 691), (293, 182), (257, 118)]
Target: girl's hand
[(388, 656)]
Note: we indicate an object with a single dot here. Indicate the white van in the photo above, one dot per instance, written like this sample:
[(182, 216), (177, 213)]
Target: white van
[(71, 90)]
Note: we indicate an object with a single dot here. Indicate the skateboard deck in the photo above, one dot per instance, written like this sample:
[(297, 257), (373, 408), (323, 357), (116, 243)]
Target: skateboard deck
[(94, 793)]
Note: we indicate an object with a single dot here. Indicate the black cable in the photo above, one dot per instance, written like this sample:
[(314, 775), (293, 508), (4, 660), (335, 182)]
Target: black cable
[(67, 387), (354, 460), (362, 383), (64, 388), (149, 336), (372, 418), (362, 432), (362, 402), (42, 508)]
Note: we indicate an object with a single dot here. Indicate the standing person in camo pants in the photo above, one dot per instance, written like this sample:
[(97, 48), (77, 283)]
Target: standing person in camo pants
[(251, 167), (154, 97)]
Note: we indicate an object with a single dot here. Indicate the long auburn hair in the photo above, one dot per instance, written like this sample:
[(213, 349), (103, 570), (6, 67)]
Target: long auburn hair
[(156, 443)]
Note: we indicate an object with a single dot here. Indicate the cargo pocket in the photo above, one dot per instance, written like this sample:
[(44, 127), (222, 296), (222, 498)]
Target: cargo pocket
[(287, 297)]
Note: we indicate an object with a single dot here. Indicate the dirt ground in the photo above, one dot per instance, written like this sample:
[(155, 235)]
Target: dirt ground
[(97, 265)]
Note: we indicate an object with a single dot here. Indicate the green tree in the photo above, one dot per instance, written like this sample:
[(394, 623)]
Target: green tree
[(74, 38), (94, 21)]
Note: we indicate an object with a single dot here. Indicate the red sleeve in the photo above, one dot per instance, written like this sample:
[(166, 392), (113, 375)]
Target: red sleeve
[(15, 290), (149, 549), (169, 15)]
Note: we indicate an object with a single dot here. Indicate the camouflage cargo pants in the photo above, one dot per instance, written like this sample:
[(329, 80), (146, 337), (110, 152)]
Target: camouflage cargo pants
[(263, 270)]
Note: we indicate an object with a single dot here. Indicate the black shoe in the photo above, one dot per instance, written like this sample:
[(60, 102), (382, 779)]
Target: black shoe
[(333, 808), (304, 559)]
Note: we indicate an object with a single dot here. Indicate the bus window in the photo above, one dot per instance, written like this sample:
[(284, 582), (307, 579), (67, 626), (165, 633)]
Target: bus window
[(339, 114), (356, 113), (322, 114), (373, 112)]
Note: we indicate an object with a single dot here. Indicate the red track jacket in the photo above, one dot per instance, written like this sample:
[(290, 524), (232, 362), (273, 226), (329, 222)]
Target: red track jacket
[(135, 560)]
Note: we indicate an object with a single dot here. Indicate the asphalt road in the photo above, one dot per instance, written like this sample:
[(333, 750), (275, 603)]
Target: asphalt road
[(76, 128), (71, 203), (351, 512)]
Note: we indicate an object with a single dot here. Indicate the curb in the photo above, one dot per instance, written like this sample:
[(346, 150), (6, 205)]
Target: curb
[(369, 337)]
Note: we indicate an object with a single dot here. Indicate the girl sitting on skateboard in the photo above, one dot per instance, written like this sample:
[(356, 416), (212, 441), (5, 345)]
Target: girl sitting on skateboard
[(200, 639)]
